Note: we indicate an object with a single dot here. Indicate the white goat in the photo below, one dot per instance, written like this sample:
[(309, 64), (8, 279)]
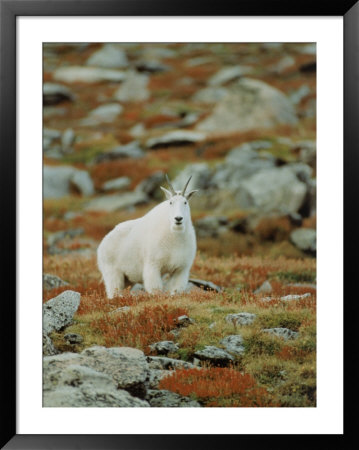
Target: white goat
[(143, 250)]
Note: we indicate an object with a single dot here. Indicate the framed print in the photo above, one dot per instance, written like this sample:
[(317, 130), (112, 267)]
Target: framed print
[(182, 222)]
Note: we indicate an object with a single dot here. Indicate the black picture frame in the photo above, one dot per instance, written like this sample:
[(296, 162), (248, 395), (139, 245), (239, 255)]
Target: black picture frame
[(9, 10)]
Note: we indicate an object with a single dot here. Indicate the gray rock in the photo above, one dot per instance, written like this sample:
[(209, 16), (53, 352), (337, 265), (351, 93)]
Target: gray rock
[(211, 226), (138, 287), (151, 184), (109, 56), (282, 65), (272, 190), (308, 49), (288, 298), (134, 89), (164, 363), (54, 94), (48, 347), (103, 114), (131, 150), (52, 281), (252, 104), (184, 321), (302, 171), (67, 140), (284, 333), (242, 318), (233, 344), (168, 399), (227, 74), (80, 386), (74, 74), (211, 94), (73, 338), (57, 181), (137, 130), (155, 376), (297, 95), (214, 355), (305, 239), (152, 66), (116, 201), (59, 311), (116, 184), (164, 347), (175, 138), (308, 152), (264, 288), (206, 285), (59, 235), (201, 177)]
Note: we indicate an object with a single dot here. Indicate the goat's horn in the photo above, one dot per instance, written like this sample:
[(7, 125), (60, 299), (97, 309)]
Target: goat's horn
[(173, 192), (184, 189)]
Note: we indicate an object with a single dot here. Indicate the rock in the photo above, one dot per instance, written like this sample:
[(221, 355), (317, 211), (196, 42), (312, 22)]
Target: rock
[(67, 140), (138, 287), (137, 130), (227, 74), (305, 239), (206, 285), (48, 347), (297, 95), (54, 94), (272, 190), (114, 202), (211, 94), (302, 171), (183, 321), (199, 61), (116, 184), (175, 138), (81, 386), (201, 177), (73, 338), (282, 65), (75, 74), (58, 180), (164, 363), (103, 114), (52, 281), (264, 288), (308, 152), (288, 298), (168, 399), (131, 150), (151, 184), (82, 181), (211, 226), (252, 104), (134, 89), (241, 318), (308, 49), (284, 333), (59, 235), (152, 66), (214, 355), (109, 56), (59, 311), (233, 344), (155, 376), (164, 347)]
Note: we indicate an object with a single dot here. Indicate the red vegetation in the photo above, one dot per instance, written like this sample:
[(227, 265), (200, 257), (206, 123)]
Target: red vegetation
[(211, 384)]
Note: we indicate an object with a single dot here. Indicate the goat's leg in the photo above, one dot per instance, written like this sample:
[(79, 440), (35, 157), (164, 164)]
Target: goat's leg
[(114, 282), (178, 281), (152, 279)]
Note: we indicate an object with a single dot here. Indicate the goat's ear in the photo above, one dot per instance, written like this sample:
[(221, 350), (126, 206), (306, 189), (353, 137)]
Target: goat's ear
[(167, 193), (189, 195)]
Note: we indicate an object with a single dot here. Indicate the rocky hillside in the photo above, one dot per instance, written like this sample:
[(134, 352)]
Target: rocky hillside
[(239, 118)]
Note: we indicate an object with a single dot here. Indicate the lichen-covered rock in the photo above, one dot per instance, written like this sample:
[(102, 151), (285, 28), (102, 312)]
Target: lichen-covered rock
[(242, 318), (59, 311), (58, 181), (168, 399), (115, 202), (73, 338), (164, 347), (284, 333), (214, 355), (52, 281), (48, 347), (233, 344), (133, 89), (305, 239), (164, 363), (109, 56)]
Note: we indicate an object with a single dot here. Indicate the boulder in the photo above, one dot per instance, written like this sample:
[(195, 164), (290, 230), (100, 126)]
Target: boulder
[(211, 226), (134, 89), (103, 114), (116, 184), (206, 285), (80, 386), (59, 311), (164, 347), (131, 150), (168, 399), (73, 338), (233, 344), (242, 318), (272, 190), (52, 281), (109, 56), (58, 181), (164, 363), (115, 202), (264, 288), (284, 333), (214, 355), (48, 347), (201, 177), (81, 74), (175, 138), (305, 239), (252, 104), (210, 94), (227, 74), (54, 94)]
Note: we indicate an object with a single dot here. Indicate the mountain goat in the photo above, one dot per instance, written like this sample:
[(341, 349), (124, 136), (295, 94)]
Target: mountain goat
[(163, 241)]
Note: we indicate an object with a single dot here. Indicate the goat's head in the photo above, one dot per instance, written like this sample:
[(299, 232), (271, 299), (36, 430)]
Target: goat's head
[(179, 211)]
